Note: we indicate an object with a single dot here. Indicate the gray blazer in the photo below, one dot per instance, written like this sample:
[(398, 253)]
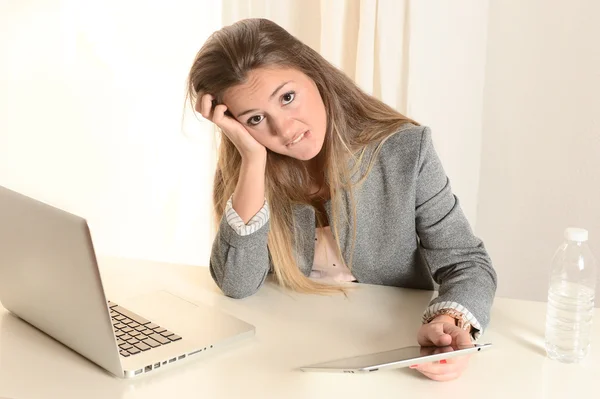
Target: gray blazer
[(411, 232)]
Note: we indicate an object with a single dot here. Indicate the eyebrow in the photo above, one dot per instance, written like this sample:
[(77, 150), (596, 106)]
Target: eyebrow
[(270, 97)]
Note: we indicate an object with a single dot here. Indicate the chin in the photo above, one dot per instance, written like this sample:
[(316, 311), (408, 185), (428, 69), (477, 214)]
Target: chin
[(306, 155), (305, 158)]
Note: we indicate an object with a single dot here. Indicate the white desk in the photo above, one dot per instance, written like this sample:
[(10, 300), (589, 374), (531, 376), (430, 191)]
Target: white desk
[(294, 330)]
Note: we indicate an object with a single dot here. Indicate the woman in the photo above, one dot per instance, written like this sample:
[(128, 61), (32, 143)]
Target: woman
[(325, 185)]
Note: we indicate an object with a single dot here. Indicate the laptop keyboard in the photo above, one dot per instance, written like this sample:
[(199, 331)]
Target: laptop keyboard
[(136, 334)]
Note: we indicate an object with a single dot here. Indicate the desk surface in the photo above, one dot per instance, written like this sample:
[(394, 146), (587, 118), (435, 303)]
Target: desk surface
[(293, 330)]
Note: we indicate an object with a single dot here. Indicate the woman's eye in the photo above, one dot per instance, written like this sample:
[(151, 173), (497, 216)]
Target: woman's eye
[(255, 120), (288, 97)]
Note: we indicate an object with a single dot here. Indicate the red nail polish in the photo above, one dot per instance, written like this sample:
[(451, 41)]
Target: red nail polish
[(443, 361)]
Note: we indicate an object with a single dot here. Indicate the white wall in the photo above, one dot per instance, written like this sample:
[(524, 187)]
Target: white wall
[(445, 86), (91, 103), (540, 169)]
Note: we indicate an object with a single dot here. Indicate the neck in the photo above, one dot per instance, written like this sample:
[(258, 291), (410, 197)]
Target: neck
[(318, 190), (316, 170)]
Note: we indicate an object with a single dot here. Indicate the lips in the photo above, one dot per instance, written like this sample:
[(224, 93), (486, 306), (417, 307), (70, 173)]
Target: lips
[(297, 138)]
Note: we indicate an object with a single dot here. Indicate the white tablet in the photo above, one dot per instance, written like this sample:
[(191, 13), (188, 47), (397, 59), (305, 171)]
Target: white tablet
[(392, 359)]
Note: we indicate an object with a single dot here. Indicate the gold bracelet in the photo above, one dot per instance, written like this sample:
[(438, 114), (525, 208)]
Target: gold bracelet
[(461, 320)]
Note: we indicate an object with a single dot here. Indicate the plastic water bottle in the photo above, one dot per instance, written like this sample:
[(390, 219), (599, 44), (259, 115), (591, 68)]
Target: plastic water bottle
[(571, 299)]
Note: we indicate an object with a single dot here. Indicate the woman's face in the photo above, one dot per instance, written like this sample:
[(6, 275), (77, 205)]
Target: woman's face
[(282, 109)]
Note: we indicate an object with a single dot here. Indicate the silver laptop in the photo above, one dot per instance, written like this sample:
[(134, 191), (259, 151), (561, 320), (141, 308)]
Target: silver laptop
[(49, 277)]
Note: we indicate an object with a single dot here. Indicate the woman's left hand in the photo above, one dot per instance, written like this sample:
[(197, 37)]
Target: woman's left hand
[(442, 332)]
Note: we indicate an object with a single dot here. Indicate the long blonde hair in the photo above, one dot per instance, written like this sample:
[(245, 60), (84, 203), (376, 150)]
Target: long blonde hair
[(355, 120)]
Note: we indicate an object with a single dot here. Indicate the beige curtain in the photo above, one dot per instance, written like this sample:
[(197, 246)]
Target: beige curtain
[(367, 39)]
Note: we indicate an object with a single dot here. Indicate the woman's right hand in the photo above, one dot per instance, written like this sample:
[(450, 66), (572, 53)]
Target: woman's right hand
[(249, 148)]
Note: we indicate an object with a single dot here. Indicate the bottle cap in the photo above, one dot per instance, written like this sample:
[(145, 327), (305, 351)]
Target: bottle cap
[(576, 234)]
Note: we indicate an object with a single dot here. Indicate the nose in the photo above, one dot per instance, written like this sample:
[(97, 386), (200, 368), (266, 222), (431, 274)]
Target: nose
[(282, 127)]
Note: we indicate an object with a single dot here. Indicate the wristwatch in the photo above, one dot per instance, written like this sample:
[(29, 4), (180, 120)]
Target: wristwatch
[(460, 319)]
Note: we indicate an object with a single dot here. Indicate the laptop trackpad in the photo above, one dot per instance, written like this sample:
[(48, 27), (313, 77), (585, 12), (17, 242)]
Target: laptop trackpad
[(184, 318)]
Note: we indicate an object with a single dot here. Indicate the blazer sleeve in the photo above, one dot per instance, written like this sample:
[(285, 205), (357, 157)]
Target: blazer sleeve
[(239, 259), (458, 260)]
